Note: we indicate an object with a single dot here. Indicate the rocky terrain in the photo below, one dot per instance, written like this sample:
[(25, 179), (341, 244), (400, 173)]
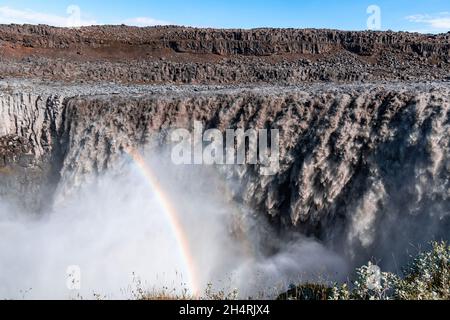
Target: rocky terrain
[(357, 158), (162, 55)]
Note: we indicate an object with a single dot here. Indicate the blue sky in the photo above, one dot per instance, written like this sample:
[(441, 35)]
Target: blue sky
[(407, 15)]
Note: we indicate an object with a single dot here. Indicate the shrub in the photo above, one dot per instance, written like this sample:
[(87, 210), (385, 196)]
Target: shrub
[(309, 291), (370, 284), (427, 277)]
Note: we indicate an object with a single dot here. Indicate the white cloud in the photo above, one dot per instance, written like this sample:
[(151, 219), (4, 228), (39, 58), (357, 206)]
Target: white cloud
[(145, 22), (435, 22), (73, 18)]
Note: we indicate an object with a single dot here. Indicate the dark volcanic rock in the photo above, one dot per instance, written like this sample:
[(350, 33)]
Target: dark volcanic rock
[(188, 55)]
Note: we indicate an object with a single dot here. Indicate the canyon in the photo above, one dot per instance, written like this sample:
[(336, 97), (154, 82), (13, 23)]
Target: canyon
[(363, 119)]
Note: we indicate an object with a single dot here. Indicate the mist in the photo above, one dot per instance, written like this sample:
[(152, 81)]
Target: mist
[(113, 231), (108, 237)]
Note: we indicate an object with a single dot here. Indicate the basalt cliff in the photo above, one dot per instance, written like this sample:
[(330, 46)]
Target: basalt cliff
[(205, 56)]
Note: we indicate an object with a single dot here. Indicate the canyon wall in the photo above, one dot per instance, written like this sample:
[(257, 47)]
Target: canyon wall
[(208, 56), (259, 42)]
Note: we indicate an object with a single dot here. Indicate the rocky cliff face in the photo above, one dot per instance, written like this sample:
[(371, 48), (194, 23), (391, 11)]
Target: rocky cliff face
[(259, 42), (354, 159), (205, 56)]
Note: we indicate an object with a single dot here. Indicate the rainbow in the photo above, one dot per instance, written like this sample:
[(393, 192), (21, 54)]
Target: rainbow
[(173, 217)]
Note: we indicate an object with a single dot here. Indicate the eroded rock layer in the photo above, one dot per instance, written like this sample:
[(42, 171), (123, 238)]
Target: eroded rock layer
[(204, 56)]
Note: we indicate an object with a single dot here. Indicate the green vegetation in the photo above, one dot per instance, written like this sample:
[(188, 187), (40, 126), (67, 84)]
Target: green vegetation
[(427, 277)]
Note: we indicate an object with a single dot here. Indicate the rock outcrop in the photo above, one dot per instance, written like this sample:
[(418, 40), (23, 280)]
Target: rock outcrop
[(255, 42), (204, 56)]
